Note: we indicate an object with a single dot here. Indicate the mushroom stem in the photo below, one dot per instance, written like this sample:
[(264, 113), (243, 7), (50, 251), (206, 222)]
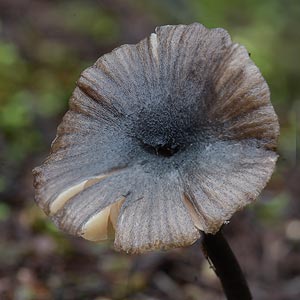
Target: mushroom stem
[(222, 259)]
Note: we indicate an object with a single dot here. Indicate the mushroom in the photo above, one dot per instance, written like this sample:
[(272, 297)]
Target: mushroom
[(163, 140)]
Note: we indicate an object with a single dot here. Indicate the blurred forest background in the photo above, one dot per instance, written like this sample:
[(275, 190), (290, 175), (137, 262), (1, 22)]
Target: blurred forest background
[(44, 45)]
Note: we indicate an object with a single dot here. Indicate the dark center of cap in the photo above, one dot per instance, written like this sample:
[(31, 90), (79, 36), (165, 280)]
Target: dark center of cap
[(166, 150)]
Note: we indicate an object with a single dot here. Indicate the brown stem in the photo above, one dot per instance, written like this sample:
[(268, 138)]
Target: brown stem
[(226, 266)]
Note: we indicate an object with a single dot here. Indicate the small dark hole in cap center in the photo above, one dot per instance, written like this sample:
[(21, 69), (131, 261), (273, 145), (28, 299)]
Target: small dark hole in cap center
[(166, 150)]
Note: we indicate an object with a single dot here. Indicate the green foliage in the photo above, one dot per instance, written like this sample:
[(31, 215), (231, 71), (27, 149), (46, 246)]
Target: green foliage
[(89, 19), (4, 209), (273, 210)]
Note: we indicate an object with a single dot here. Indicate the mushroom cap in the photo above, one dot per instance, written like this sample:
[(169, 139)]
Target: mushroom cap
[(162, 140)]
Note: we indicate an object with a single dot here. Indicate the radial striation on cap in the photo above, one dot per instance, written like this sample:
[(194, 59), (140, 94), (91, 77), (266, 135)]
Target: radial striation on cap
[(162, 139)]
